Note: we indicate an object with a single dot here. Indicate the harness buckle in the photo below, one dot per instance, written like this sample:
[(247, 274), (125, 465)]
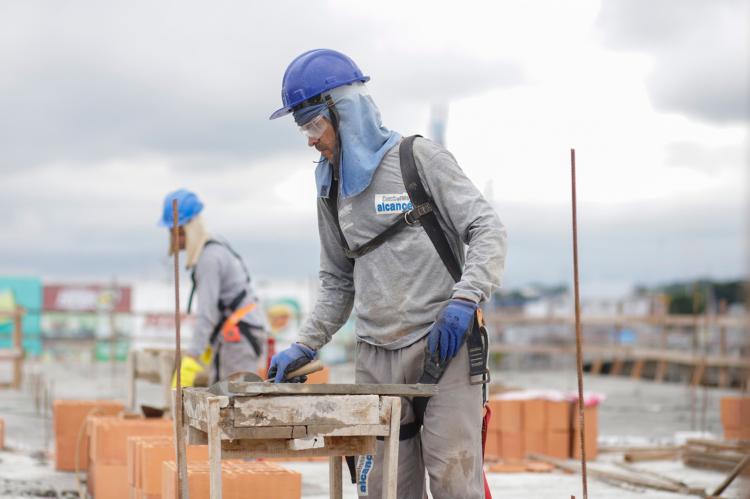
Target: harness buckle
[(406, 218), (480, 379), (416, 213), (231, 334)]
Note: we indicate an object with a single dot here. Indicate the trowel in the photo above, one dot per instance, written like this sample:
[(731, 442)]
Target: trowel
[(222, 387)]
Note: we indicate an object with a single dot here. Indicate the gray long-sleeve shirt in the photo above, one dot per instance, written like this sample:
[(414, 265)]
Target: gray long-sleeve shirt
[(398, 289), (219, 275)]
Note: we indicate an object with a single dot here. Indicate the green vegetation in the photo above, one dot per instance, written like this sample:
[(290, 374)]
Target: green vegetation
[(694, 297)]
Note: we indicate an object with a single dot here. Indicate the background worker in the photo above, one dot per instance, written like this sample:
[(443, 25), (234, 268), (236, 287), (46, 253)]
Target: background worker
[(230, 332), (409, 308)]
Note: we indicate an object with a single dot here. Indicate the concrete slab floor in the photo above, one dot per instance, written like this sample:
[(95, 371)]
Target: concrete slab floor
[(635, 412)]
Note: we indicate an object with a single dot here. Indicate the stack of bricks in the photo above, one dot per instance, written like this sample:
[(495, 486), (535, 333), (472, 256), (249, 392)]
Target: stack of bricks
[(145, 458), (558, 429), (69, 417), (735, 417), (108, 468), (537, 426), (239, 480)]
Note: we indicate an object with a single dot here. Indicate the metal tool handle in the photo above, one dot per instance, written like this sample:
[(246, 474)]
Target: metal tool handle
[(309, 368)]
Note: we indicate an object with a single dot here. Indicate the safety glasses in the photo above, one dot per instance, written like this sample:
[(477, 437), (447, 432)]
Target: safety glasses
[(314, 128)]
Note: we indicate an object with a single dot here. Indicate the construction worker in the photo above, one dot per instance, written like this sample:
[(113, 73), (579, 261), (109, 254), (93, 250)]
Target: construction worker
[(413, 307), (230, 332)]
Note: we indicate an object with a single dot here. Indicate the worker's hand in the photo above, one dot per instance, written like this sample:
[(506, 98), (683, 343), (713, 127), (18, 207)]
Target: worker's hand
[(288, 360), (189, 369), (450, 328)]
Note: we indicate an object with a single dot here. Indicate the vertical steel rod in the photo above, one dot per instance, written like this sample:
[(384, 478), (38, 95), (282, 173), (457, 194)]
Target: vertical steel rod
[(182, 484), (579, 355)]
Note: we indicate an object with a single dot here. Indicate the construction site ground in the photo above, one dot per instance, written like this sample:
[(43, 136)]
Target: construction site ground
[(636, 413)]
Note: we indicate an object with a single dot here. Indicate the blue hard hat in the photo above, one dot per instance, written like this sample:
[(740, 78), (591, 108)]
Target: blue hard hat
[(312, 73), (188, 206)]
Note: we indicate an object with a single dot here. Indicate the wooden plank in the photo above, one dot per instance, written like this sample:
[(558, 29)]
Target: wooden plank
[(661, 370), (596, 366), (11, 353), (239, 388), (304, 411), (617, 365), (196, 402), (18, 345), (229, 432), (390, 456), (653, 474), (730, 478), (196, 436), (637, 369), (332, 446), (720, 445), (671, 320), (610, 476), (698, 371), (651, 455), (214, 448), (378, 430), (130, 368), (166, 367), (629, 353), (334, 477)]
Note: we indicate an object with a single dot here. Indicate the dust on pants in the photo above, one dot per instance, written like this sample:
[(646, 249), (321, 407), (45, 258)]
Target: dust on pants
[(237, 356), (450, 445)]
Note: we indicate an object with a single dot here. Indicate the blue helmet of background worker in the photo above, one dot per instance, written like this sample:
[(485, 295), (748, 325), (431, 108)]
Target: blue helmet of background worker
[(188, 206)]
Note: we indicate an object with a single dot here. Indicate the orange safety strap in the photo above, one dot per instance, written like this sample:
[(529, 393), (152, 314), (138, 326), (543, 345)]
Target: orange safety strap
[(230, 330)]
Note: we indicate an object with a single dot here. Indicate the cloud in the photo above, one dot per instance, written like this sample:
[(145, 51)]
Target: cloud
[(93, 82), (648, 242), (700, 53), (707, 159)]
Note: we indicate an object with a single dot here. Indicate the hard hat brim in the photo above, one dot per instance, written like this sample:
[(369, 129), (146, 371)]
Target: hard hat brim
[(280, 112)]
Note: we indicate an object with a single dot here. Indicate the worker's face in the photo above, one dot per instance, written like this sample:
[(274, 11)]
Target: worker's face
[(326, 141), (180, 238)]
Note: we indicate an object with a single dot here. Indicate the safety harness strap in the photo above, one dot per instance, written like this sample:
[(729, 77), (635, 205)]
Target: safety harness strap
[(476, 340), (419, 197), (411, 217), (226, 310), (237, 299)]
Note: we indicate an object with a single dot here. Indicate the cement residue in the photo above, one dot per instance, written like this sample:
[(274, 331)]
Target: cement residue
[(25, 488)]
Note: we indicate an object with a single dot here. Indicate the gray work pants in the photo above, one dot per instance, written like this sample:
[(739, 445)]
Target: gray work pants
[(237, 356), (450, 447)]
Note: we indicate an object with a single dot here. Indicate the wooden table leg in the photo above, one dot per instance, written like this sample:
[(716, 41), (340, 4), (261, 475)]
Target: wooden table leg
[(390, 455), (130, 367), (214, 449), (166, 369), (334, 477)]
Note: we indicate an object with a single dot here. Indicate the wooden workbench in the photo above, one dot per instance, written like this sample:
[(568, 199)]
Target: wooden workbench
[(278, 420)]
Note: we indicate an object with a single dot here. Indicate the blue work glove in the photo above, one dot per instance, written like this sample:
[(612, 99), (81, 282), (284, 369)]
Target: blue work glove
[(288, 360), (450, 328)]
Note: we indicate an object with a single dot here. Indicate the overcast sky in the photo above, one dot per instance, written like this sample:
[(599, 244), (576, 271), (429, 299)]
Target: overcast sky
[(106, 106)]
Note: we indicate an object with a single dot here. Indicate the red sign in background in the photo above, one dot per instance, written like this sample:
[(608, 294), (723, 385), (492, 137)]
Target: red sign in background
[(86, 298)]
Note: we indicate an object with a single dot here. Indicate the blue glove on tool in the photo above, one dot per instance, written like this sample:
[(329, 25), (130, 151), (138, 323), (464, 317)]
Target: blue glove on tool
[(288, 360), (450, 328)]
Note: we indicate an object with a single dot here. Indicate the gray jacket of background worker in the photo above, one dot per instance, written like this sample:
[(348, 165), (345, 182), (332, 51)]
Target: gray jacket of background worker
[(402, 285), (219, 275), (397, 291)]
